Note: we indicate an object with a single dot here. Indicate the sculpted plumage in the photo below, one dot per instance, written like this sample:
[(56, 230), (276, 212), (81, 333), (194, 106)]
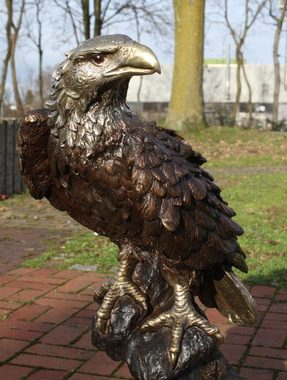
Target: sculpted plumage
[(138, 184)]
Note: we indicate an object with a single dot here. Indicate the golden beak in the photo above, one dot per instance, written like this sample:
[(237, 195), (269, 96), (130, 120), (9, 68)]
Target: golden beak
[(140, 60)]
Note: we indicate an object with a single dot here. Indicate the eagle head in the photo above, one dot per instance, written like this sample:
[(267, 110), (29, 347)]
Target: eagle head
[(92, 83), (103, 62)]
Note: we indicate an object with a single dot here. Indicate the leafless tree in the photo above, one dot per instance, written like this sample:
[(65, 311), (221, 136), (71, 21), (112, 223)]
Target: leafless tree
[(37, 40), (152, 15), (278, 15), (12, 33), (252, 9)]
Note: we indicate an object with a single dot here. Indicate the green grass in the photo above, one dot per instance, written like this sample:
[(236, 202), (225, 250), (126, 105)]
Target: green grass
[(261, 205), (259, 199), (83, 248)]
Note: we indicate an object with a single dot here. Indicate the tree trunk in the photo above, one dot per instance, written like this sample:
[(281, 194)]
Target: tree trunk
[(19, 105), (277, 79), (186, 107), (9, 6), (86, 18), (98, 17), (235, 108), (249, 104)]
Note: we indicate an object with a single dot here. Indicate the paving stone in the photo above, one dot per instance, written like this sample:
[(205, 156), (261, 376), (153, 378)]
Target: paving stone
[(76, 285), (100, 364), (13, 372), (84, 341), (263, 291), (268, 352), (56, 315), (124, 372), (46, 362), (256, 374), (63, 334), (276, 317), (6, 291), (59, 351), (232, 352), (279, 307), (29, 312), (44, 374), (9, 347), (81, 376), (269, 338), (268, 363)]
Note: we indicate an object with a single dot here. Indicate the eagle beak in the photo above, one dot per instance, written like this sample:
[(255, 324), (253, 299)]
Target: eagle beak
[(141, 60)]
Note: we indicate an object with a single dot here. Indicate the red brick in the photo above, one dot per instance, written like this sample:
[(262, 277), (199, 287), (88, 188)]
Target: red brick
[(32, 285), (237, 339), (256, 374), (282, 376), (263, 291), (100, 364), (7, 291), (26, 295), (80, 376), (9, 347), (268, 352), (44, 374), (55, 316), (9, 305), (262, 363), (58, 351), (279, 308), (214, 316), (241, 330), (67, 274), (29, 312), (46, 362), (232, 352), (63, 304), (19, 334), (81, 322), (67, 296), (75, 285), (93, 306), (5, 278), (269, 338), (25, 325), (22, 271), (85, 341), (124, 372), (13, 372), (89, 314), (63, 334), (44, 272), (282, 296), (276, 317), (43, 280), (269, 324)]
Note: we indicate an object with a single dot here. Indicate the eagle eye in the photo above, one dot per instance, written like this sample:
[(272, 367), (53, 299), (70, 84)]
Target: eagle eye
[(98, 58)]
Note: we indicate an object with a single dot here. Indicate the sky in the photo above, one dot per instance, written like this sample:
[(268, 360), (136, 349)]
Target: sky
[(218, 42)]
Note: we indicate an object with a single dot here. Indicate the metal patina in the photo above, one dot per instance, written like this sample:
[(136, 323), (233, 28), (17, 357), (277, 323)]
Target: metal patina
[(144, 188)]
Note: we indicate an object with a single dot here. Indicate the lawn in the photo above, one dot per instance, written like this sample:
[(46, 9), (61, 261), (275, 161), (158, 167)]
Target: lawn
[(253, 176)]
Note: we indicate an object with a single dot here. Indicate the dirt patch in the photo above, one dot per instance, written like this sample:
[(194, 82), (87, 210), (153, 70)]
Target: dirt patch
[(26, 226)]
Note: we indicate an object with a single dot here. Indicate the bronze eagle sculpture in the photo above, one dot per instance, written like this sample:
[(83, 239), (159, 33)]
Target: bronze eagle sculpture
[(140, 185)]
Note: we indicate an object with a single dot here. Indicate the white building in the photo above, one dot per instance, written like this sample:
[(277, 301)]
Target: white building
[(219, 88)]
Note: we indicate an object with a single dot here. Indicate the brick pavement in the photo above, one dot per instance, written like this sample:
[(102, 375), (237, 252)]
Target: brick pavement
[(45, 318)]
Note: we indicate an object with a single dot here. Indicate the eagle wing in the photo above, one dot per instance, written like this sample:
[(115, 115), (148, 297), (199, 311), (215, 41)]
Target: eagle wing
[(186, 220), (32, 147), (184, 215)]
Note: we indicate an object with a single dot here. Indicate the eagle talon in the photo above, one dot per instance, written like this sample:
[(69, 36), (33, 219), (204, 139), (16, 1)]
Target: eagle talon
[(179, 318), (122, 286)]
